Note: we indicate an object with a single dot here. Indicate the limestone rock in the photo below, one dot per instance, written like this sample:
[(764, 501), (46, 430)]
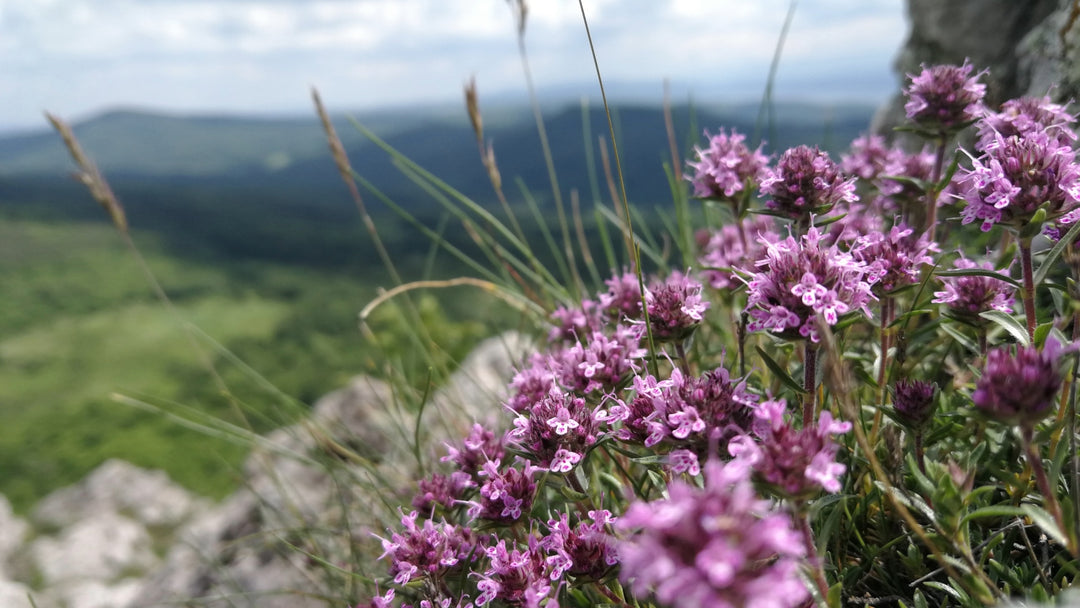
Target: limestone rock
[(148, 497), (101, 548), (15, 595), (13, 531)]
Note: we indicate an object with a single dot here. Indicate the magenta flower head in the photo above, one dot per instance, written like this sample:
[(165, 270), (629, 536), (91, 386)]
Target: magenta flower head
[(943, 99), (724, 169), (1018, 388), (430, 550), (895, 258), (795, 463), (622, 300), (1016, 177), (799, 279), (675, 307), (913, 402), (869, 157), (1024, 116), (805, 182), (968, 295), (720, 545)]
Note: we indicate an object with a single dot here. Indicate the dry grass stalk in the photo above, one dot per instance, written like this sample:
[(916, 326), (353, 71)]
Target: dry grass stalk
[(89, 175)]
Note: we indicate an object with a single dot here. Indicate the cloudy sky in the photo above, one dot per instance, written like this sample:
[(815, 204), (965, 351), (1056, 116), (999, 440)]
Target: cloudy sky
[(78, 57)]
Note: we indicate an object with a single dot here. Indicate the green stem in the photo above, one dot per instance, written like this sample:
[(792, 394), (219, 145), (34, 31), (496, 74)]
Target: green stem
[(817, 569), (1029, 287), (809, 383)]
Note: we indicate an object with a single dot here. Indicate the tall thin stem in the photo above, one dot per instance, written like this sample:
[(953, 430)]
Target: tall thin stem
[(934, 191), (817, 569), (1029, 286), (1049, 497), (809, 383)]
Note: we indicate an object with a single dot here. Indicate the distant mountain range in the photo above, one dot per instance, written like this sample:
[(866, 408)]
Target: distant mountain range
[(231, 185)]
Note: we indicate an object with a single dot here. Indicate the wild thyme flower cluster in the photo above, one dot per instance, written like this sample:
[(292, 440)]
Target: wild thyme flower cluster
[(797, 463), (1017, 176), (969, 295), (895, 258), (675, 307), (1025, 116), (805, 182), (943, 99), (799, 279), (1018, 387), (726, 167)]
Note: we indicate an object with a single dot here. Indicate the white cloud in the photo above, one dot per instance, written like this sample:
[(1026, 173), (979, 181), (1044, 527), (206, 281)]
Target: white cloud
[(78, 55)]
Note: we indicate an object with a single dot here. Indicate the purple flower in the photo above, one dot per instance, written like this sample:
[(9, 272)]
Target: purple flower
[(719, 545), (967, 296), (726, 166), (943, 99), (515, 576), (675, 307), (797, 463), (569, 323), (799, 279), (805, 182), (687, 412), (1024, 116), (735, 247), (623, 297), (440, 490), (507, 494), (906, 197), (894, 259), (583, 550), (602, 363), (1019, 387), (913, 401), (1016, 176), (480, 447), (430, 550), (868, 158), (556, 431)]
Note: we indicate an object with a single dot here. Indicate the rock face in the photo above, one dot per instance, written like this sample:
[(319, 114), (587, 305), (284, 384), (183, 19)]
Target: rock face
[(1029, 47)]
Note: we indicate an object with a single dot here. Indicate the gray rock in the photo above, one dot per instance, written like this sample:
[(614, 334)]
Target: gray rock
[(16, 595), (148, 497), (13, 531), (102, 548)]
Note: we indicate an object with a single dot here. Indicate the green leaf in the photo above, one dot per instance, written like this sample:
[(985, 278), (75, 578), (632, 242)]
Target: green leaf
[(781, 374), (993, 511), (1055, 253), (1041, 332), (980, 272), (834, 597), (1045, 521), (920, 599), (1009, 323)]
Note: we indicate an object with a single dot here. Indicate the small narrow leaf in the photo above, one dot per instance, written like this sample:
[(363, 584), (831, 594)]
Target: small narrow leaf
[(1055, 253), (1009, 323), (980, 272), (781, 374), (1046, 523)]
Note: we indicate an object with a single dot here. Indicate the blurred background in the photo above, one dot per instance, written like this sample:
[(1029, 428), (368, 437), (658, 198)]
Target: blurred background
[(199, 114)]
